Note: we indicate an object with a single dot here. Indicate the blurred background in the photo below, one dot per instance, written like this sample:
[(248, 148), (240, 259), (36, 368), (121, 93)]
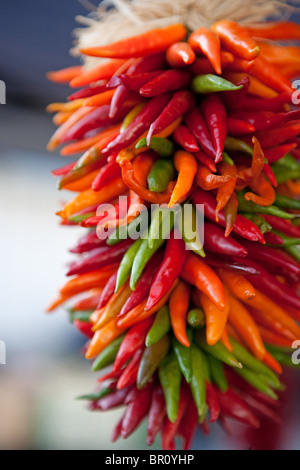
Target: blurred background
[(44, 371)]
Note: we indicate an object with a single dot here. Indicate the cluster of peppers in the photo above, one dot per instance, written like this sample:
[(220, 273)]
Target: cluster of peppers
[(193, 333)]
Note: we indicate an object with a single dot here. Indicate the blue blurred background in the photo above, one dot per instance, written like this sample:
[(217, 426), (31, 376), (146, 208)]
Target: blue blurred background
[(44, 371)]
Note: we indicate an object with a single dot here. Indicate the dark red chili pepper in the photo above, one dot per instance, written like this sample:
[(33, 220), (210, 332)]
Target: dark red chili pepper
[(263, 120), (228, 263), (110, 401), (212, 402), (157, 414), (100, 257), (129, 374), (133, 81), (87, 243), (238, 127), (232, 405), (84, 327), (136, 411), (117, 431), (272, 256), (198, 127), (273, 288), (134, 339), (115, 212), (170, 429), (168, 271), (185, 139), (234, 100), (139, 125), (107, 173), (168, 80), (181, 102), (230, 212), (87, 92), (143, 287), (119, 97), (282, 225), (203, 158), (270, 174), (216, 118), (259, 408), (273, 238), (243, 227), (274, 137), (63, 170), (188, 425), (108, 290), (216, 242), (275, 153), (267, 104)]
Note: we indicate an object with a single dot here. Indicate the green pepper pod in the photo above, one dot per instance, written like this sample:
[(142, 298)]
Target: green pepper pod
[(83, 315), (137, 225), (209, 83), (217, 373), (218, 350), (227, 159), (126, 264), (196, 318), (184, 357), (285, 359), (151, 358), (236, 145), (160, 326), (80, 217), (96, 396), (256, 381), (108, 355), (161, 216), (260, 221), (284, 174), (294, 251), (163, 147), (251, 207), (161, 174), (186, 222), (198, 386), (287, 161), (287, 241), (287, 202), (170, 379)]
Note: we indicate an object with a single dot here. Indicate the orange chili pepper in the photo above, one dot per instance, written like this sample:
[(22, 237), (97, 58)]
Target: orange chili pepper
[(61, 117), (271, 362), (87, 281), (238, 284), (265, 192), (225, 191), (231, 209), (67, 107), (113, 307), (236, 39), (89, 198), (64, 75), (57, 302), (102, 71), (178, 306), (242, 321), (216, 319), (81, 145), (180, 54), (99, 99), (284, 30), (199, 274), (280, 55), (153, 41), (83, 183), (208, 181), (256, 87), (273, 338), (270, 75), (142, 165), (103, 338), (226, 341), (186, 165), (205, 41)]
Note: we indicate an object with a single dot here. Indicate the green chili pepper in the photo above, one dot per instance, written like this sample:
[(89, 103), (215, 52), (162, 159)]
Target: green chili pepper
[(251, 362), (184, 357), (209, 83), (284, 174), (137, 225), (217, 373), (251, 207), (236, 145), (198, 386), (160, 326), (284, 359), (272, 383), (287, 202), (287, 241), (108, 355), (279, 349), (161, 216), (260, 221), (83, 315), (81, 217), (288, 161), (96, 396), (227, 159), (256, 381), (161, 174), (163, 147), (170, 378), (196, 318), (294, 251), (218, 350), (186, 221), (151, 358), (126, 264), (145, 253)]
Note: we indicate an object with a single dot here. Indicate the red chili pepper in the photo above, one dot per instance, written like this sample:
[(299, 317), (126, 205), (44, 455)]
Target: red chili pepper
[(200, 131), (134, 339), (259, 408), (228, 263), (139, 125), (216, 118), (107, 173), (185, 139), (181, 102), (168, 271), (212, 402), (87, 243), (169, 80), (205, 41), (170, 429), (112, 400), (136, 411), (129, 374), (275, 153), (266, 104), (273, 238), (274, 137), (87, 92), (216, 242), (84, 327), (232, 405), (87, 303), (119, 97), (282, 225), (143, 287), (108, 290), (99, 258), (273, 288), (269, 173), (133, 81), (206, 161), (243, 227), (117, 431), (63, 170), (238, 127), (188, 425), (234, 100), (157, 414)]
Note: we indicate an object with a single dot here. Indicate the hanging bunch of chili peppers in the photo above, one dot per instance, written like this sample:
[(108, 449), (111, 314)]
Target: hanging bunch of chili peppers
[(191, 333)]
